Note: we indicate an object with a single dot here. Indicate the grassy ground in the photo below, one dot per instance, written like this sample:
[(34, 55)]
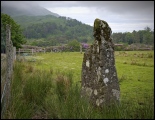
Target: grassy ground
[(47, 85)]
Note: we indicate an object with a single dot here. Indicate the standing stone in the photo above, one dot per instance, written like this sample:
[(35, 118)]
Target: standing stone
[(99, 76)]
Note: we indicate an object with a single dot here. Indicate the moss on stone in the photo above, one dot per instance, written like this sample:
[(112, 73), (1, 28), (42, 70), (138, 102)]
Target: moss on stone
[(97, 23)]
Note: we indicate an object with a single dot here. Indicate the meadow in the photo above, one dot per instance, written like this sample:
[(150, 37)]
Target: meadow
[(47, 85)]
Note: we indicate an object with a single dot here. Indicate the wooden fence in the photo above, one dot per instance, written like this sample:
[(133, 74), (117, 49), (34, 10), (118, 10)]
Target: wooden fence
[(29, 51)]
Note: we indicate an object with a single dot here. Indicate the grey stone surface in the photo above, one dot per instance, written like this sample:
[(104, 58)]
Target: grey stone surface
[(99, 76)]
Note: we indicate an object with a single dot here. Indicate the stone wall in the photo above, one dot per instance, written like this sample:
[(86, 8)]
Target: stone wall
[(99, 76)]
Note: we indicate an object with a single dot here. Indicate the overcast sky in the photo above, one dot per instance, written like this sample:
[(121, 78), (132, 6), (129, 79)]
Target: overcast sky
[(122, 16)]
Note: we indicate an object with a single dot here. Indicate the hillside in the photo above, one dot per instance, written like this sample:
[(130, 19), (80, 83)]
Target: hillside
[(44, 28), (50, 30)]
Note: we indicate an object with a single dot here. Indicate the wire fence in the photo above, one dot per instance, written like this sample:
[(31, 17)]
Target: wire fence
[(8, 53)]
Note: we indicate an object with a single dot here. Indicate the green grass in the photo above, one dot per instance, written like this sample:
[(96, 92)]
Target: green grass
[(48, 86), (62, 62)]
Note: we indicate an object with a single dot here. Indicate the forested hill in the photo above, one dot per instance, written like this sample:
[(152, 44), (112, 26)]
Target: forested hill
[(43, 27), (50, 30), (55, 30)]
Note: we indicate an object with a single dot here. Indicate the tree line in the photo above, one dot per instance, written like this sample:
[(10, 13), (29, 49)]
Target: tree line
[(145, 36)]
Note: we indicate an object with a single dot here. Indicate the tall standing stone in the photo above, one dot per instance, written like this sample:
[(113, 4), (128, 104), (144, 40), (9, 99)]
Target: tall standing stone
[(99, 76)]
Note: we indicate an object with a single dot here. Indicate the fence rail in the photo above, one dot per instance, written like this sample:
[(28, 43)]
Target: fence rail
[(32, 51), (7, 60)]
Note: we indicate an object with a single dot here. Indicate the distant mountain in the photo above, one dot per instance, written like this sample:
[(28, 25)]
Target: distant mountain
[(44, 28), (29, 10)]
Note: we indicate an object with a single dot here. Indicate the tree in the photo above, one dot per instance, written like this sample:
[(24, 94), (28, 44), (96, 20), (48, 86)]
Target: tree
[(148, 36), (74, 45), (16, 32), (129, 38), (147, 28)]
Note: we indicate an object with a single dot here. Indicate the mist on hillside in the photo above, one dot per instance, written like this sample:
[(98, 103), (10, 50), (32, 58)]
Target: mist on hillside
[(17, 8)]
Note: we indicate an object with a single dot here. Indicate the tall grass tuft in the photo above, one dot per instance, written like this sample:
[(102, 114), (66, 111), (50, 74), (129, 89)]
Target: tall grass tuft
[(29, 69), (68, 105), (18, 108), (36, 87), (28, 91), (64, 82), (150, 55)]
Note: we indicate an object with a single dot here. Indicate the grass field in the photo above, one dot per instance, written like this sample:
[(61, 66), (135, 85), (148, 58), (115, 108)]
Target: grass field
[(47, 85)]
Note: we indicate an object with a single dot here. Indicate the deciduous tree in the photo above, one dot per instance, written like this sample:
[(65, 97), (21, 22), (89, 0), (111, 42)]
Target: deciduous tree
[(17, 36)]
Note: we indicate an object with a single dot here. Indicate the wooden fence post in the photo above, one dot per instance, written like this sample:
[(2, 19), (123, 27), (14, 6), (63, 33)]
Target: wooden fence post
[(14, 53), (9, 69), (44, 50)]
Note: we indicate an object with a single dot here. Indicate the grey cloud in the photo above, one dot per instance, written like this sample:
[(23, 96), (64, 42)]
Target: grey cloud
[(120, 7), (19, 4), (114, 6), (125, 7), (112, 11), (58, 3)]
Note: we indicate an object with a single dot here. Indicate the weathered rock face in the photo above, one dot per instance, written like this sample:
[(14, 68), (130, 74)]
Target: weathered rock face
[(99, 75)]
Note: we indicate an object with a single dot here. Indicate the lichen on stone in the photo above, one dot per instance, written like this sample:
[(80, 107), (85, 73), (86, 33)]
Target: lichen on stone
[(87, 63), (105, 81), (114, 74), (93, 57), (103, 24), (89, 91), (107, 71), (116, 93), (99, 101), (98, 73), (95, 92), (98, 49)]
